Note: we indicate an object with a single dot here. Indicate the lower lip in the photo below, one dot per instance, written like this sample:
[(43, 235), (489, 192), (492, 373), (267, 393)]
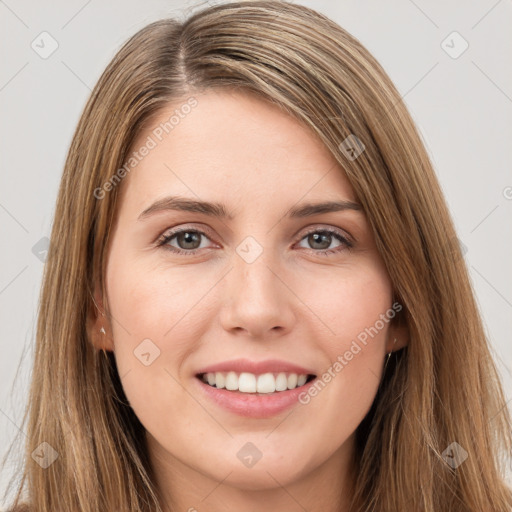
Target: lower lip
[(254, 405)]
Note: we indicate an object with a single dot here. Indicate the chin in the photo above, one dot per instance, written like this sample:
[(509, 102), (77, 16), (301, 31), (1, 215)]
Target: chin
[(278, 467)]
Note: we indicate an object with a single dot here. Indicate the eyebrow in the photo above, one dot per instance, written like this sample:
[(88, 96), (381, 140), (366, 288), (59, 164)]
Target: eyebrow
[(218, 210)]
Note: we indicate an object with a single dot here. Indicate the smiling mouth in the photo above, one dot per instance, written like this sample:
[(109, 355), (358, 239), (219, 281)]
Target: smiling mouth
[(262, 384)]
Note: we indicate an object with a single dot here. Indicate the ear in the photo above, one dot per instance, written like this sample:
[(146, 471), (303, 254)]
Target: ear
[(399, 331), (98, 325)]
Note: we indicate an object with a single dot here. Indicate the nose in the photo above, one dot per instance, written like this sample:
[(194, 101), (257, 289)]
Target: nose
[(258, 302)]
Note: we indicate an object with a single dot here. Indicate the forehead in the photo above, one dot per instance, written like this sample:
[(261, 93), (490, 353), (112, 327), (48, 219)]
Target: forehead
[(232, 145)]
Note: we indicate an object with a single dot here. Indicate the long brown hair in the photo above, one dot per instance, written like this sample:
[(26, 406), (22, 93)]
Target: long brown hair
[(443, 388)]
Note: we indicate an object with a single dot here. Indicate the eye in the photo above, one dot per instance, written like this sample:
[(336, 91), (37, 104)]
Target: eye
[(320, 240), (188, 241)]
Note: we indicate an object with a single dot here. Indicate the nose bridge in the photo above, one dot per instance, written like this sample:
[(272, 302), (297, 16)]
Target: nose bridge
[(257, 300), (255, 277), (255, 283)]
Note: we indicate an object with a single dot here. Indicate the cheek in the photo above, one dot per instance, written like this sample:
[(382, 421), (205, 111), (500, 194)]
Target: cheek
[(156, 323), (349, 304), (155, 326), (148, 301), (355, 310)]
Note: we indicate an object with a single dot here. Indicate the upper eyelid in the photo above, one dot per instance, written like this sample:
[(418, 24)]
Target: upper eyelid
[(176, 230)]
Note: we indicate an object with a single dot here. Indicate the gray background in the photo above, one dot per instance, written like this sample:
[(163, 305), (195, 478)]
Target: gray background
[(462, 106)]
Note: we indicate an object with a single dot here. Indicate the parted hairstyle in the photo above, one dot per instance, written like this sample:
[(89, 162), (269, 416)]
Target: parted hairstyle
[(443, 387)]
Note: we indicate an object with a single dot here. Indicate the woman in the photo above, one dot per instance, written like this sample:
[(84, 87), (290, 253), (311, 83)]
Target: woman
[(197, 349)]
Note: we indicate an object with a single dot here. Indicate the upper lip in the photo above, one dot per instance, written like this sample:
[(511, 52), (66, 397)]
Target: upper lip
[(256, 367)]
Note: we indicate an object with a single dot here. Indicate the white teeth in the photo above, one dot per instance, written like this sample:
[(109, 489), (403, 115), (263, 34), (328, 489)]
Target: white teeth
[(301, 380), (292, 381), (249, 383), (231, 381), (266, 383), (220, 381), (281, 382)]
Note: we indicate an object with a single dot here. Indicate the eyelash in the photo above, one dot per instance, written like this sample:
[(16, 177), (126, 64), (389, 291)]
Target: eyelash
[(163, 241)]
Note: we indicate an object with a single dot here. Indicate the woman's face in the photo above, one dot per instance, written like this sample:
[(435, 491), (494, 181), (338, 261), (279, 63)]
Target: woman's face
[(253, 286)]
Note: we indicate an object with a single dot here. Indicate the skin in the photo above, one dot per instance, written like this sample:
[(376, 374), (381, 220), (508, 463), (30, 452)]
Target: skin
[(291, 303)]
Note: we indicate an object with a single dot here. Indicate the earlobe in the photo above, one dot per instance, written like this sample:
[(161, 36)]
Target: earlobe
[(98, 327), (398, 338)]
